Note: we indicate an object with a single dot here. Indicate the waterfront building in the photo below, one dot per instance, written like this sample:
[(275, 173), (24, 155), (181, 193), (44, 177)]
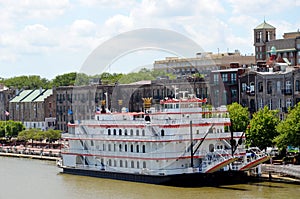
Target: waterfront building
[(76, 103), (31, 107), (5, 95)]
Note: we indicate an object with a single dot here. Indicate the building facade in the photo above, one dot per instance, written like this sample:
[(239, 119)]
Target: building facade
[(29, 107), (204, 63)]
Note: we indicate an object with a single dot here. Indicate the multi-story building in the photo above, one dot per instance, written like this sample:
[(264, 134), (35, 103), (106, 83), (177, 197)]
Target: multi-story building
[(80, 102), (224, 86), (5, 95), (31, 107), (287, 48), (204, 63)]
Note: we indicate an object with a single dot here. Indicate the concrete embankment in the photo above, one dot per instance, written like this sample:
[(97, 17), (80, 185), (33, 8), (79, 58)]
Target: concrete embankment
[(40, 157), (30, 152), (281, 173)]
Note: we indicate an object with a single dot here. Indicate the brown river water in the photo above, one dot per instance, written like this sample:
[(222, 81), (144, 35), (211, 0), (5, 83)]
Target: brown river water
[(36, 179)]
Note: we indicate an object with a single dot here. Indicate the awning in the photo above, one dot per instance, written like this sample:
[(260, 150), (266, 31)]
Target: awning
[(284, 50)]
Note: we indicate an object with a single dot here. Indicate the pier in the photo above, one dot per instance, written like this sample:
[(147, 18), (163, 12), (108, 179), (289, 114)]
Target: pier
[(284, 173)]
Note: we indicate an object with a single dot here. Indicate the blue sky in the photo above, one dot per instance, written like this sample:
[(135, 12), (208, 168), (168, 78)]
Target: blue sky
[(50, 38)]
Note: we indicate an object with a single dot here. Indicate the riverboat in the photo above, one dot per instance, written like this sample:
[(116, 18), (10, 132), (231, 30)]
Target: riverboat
[(184, 142)]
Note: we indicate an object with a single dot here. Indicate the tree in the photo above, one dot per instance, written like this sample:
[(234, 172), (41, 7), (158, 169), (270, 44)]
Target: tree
[(262, 130), (65, 79), (239, 117), (289, 129), (10, 128)]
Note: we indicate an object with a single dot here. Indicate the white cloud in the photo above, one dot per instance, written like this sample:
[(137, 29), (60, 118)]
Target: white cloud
[(83, 28), (108, 3)]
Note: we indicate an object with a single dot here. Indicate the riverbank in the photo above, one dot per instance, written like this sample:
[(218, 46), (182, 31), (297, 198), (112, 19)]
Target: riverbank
[(39, 157), (280, 173), (30, 152)]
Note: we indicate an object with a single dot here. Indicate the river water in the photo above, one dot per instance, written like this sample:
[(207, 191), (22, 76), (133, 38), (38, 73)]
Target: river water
[(36, 179)]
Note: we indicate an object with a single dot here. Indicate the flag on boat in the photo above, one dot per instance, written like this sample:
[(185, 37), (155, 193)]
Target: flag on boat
[(70, 112), (6, 113)]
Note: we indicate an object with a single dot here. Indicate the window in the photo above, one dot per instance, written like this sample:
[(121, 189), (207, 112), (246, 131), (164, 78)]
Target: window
[(279, 104), (288, 85), (233, 78), (137, 132), (115, 132), (270, 104), (225, 77), (269, 87), (288, 103), (120, 131), (260, 87), (108, 131), (216, 78), (244, 87), (278, 86), (144, 149), (297, 85), (233, 93)]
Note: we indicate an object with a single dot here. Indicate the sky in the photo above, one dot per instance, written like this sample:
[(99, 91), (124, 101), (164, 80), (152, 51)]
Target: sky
[(50, 38)]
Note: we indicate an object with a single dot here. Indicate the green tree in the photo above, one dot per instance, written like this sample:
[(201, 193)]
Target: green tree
[(289, 129), (65, 79), (27, 82), (262, 130), (239, 117), (10, 128)]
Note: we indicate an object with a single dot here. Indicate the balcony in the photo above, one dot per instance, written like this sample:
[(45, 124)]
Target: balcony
[(286, 91)]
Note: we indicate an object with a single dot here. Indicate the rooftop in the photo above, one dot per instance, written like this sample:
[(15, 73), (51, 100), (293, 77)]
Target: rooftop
[(264, 25)]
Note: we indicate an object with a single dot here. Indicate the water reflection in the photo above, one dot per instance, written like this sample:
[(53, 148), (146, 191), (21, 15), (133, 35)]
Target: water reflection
[(25, 178)]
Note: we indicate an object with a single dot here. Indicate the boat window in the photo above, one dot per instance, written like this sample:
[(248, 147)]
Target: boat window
[(120, 147), (120, 131), (125, 147), (147, 118), (131, 132), (115, 132), (108, 131), (103, 147), (144, 149), (131, 148), (143, 132), (162, 132), (211, 148), (177, 105), (132, 164), (109, 147), (121, 163), (144, 164), (115, 163), (126, 164), (114, 147), (137, 132), (137, 148), (138, 165), (109, 162), (125, 133)]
